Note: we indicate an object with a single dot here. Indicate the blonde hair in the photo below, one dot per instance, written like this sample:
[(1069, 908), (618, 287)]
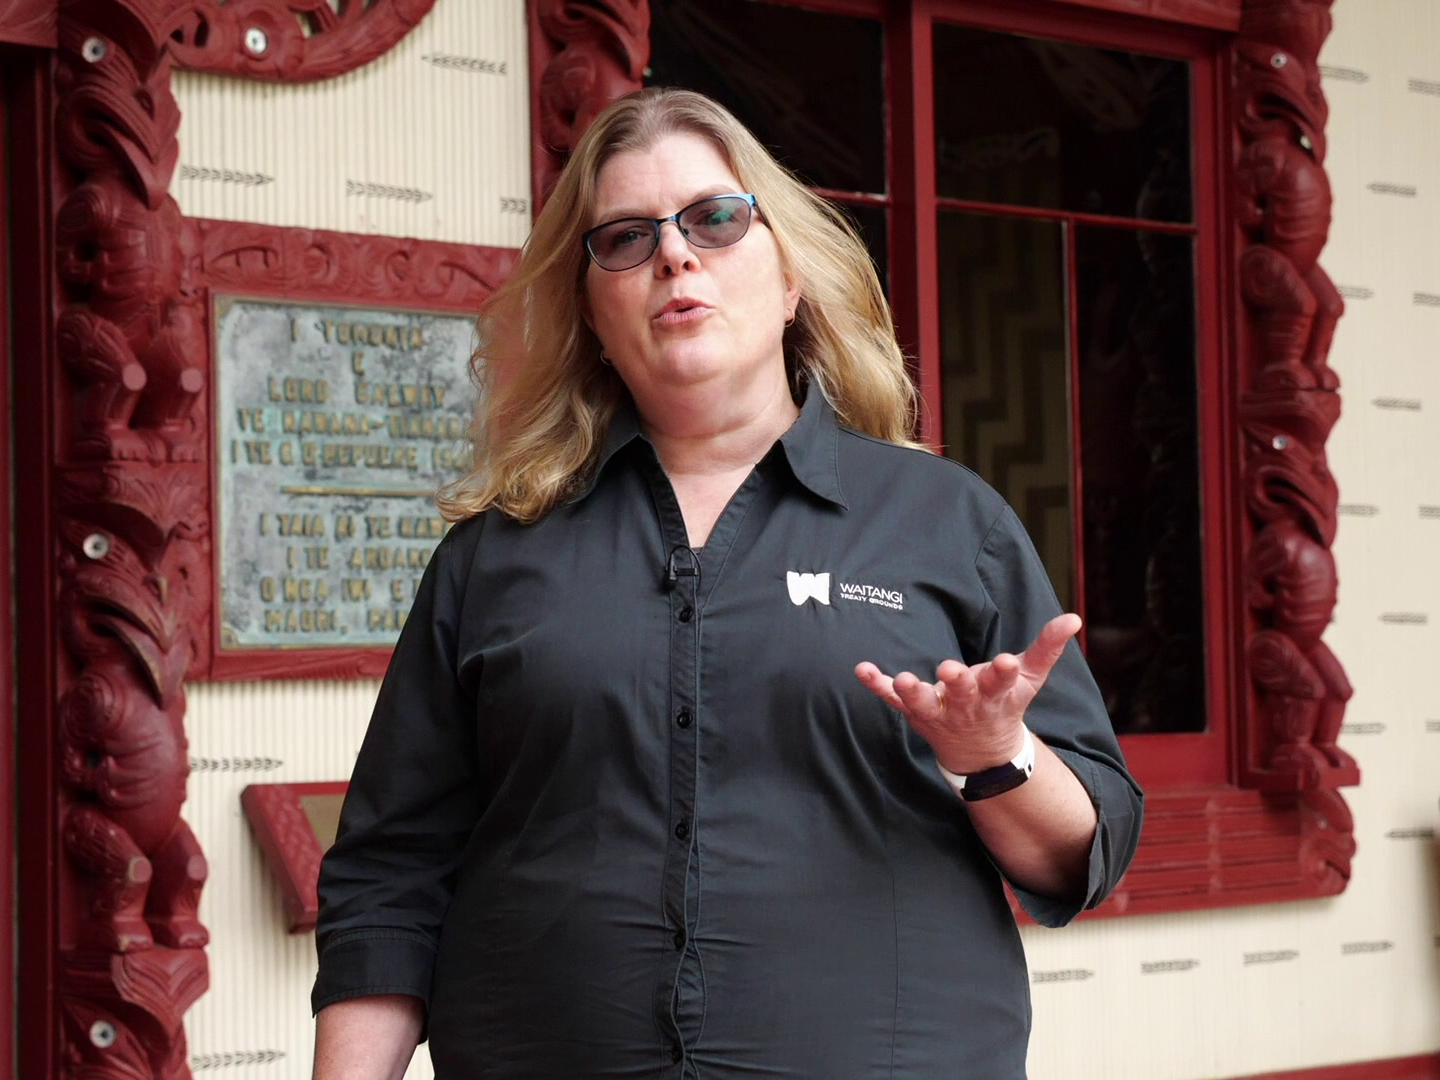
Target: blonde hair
[(546, 398)]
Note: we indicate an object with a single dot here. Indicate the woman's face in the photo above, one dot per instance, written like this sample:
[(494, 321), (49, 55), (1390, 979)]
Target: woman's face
[(690, 318)]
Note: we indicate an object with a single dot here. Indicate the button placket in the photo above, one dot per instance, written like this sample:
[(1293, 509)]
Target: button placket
[(684, 751)]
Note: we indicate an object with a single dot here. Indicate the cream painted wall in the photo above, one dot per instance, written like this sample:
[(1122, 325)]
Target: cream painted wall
[(432, 140), (1193, 997)]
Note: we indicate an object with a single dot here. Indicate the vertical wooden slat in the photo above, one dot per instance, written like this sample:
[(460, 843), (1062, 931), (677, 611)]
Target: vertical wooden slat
[(914, 267)]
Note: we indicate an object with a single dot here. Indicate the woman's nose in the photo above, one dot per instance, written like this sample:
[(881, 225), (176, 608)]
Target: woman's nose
[(674, 252)]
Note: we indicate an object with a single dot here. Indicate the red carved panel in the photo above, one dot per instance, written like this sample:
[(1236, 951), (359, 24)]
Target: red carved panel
[(1289, 403), (584, 54), (130, 490), (29, 22), (289, 40), (264, 261), (288, 841)]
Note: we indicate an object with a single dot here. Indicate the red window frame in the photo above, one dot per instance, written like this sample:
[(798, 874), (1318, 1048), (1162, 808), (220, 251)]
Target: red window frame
[(1221, 827), (1157, 760)]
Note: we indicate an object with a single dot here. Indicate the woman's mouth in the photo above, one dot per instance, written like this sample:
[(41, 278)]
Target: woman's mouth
[(682, 310)]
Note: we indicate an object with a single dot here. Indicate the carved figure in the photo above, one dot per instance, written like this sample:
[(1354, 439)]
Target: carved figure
[(1284, 194), (600, 49), (1292, 577), (131, 497), (1287, 412)]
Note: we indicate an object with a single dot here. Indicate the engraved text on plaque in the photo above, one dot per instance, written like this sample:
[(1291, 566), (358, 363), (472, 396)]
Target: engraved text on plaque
[(334, 429)]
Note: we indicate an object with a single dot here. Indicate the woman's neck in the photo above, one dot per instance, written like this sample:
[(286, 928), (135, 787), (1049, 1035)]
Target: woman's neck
[(694, 438)]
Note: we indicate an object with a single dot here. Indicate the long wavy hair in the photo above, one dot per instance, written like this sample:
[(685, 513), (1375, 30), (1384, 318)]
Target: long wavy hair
[(547, 400)]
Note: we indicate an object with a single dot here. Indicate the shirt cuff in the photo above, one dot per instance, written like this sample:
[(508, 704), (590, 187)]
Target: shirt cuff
[(1048, 910), (363, 963)]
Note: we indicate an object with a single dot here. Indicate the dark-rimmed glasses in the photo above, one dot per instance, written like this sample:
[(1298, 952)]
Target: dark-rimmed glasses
[(716, 222)]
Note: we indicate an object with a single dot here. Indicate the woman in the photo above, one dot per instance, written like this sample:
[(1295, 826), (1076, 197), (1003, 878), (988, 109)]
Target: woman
[(639, 797)]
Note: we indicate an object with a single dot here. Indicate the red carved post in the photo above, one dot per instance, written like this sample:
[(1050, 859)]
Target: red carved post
[(584, 54), (1288, 407), (132, 536)]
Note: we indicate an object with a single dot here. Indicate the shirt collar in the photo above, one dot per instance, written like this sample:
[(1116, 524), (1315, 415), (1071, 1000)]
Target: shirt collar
[(811, 445)]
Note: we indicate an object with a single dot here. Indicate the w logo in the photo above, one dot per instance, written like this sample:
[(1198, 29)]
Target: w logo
[(808, 587)]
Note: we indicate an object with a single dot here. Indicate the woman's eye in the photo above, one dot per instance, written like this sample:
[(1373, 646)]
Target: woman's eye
[(625, 238)]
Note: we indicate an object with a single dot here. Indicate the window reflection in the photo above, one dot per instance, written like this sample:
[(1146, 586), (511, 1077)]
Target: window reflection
[(1029, 122), (1140, 477)]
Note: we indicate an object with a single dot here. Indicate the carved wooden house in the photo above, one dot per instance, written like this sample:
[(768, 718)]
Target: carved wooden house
[(1139, 253)]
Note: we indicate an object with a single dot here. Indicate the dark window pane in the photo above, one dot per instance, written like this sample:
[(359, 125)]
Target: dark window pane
[(873, 224), (809, 85), (1140, 477), (1030, 122), (1005, 371)]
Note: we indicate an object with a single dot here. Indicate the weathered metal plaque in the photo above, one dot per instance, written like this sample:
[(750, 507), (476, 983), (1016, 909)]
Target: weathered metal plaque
[(334, 429)]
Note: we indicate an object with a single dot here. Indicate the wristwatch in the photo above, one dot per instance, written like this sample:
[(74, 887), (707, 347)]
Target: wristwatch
[(988, 783)]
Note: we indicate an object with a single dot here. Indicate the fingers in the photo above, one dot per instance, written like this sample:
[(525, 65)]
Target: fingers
[(1045, 650), (920, 700), (904, 692), (879, 684), (996, 678)]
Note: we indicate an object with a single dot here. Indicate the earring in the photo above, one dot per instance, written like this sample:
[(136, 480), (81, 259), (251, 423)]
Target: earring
[(789, 318), (605, 359)]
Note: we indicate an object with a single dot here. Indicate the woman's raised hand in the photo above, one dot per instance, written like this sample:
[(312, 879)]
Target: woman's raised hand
[(972, 717)]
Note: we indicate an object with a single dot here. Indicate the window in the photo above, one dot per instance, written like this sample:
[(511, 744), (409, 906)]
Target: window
[(1041, 187)]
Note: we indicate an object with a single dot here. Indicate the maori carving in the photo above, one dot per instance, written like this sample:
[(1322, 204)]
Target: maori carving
[(290, 40), (132, 497), (238, 256), (1287, 410), (28, 22), (588, 54), (292, 849)]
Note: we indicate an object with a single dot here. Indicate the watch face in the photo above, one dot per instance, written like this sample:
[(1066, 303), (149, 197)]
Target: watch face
[(993, 782)]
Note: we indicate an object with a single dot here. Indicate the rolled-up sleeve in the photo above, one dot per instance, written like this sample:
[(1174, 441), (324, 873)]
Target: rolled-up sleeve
[(1068, 714), (413, 801)]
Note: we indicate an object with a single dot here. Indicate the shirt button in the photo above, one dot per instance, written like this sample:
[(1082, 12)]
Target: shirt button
[(679, 939), (686, 613), (683, 719), (682, 830)]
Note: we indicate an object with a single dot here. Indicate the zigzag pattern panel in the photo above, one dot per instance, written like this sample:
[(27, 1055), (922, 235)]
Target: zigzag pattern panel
[(1005, 371)]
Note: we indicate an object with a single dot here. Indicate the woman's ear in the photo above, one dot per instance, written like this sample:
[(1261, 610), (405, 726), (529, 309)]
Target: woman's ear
[(792, 294)]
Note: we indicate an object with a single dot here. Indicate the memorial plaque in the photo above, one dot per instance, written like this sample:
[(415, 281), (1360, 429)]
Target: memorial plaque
[(334, 427)]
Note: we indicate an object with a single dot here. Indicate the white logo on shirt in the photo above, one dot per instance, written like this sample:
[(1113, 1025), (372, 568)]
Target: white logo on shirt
[(873, 594), (808, 587)]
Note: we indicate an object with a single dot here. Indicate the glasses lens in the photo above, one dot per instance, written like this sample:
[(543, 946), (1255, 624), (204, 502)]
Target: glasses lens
[(620, 245), (717, 222)]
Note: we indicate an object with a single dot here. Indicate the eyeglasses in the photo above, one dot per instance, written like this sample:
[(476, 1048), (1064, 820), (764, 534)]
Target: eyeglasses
[(716, 222)]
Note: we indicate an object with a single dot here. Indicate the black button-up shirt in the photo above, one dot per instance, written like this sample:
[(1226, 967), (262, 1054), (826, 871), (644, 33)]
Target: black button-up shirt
[(624, 810)]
